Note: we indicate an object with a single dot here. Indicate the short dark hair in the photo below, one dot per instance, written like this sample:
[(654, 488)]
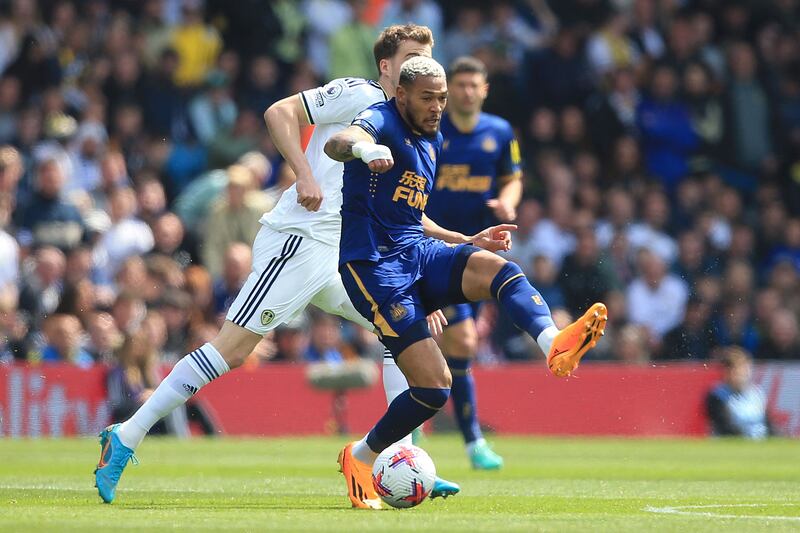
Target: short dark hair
[(467, 65), (390, 38)]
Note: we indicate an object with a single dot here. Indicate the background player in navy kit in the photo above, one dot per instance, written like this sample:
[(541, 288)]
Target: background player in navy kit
[(393, 270), (478, 184)]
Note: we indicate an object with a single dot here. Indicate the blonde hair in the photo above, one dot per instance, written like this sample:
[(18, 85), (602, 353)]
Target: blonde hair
[(420, 66)]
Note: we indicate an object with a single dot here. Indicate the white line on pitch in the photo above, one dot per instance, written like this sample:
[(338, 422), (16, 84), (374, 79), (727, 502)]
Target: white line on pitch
[(681, 510)]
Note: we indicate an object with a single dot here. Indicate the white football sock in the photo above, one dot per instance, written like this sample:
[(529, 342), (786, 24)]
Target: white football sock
[(363, 452), (545, 339), (188, 376), (394, 383), (471, 445)]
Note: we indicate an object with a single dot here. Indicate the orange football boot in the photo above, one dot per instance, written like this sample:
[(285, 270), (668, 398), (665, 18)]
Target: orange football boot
[(358, 477), (575, 340)]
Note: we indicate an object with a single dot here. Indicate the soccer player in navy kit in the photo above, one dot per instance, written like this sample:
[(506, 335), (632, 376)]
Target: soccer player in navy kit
[(396, 263), (478, 184)]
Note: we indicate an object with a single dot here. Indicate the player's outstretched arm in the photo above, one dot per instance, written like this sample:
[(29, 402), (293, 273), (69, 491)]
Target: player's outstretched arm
[(355, 143), (508, 198), (284, 119), (494, 238), (432, 229)]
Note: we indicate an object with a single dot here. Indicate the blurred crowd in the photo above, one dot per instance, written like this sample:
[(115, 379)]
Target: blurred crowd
[(661, 141)]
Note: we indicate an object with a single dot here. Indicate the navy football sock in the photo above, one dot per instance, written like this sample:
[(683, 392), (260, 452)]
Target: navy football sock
[(408, 411), (463, 394), (520, 300)]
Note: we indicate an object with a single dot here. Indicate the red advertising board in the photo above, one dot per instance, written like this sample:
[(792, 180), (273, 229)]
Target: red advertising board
[(604, 399)]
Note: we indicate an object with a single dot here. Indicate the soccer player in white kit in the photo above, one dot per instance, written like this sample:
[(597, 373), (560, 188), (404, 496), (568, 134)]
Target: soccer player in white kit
[(295, 254)]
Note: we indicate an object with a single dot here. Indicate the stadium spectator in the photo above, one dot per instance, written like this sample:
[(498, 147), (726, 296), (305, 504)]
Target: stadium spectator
[(263, 86), (464, 36), (234, 219), (644, 31), (351, 46), (782, 339), (693, 339), (128, 311), (738, 407), (104, 337), (200, 287), (632, 344), (214, 109), (610, 47), (324, 341), (197, 45), (175, 306), (656, 299), (235, 269), (133, 377), (13, 329), (666, 129), (44, 219), (127, 236), (585, 276), (734, 325), (324, 18), (170, 240), (11, 171), (150, 197), (425, 12), (291, 340), (544, 276), (707, 115), (41, 288), (9, 260), (686, 145), (63, 343), (750, 112), (612, 113)]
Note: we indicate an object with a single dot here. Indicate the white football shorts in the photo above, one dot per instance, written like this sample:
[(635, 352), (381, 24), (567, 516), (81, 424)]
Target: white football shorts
[(289, 272)]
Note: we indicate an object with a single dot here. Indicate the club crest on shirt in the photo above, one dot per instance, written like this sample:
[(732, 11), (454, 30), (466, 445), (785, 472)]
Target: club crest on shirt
[(407, 141), (446, 144), (267, 316), (537, 299), (397, 311), (488, 144), (432, 153)]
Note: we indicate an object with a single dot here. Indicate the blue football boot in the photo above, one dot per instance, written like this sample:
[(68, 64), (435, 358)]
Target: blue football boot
[(114, 457), (444, 488), (483, 457)]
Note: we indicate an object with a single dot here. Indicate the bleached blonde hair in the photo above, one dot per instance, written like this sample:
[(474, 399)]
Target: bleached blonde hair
[(418, 66)]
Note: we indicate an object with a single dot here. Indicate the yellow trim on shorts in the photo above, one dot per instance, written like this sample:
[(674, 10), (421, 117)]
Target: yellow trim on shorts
[(380, 322)]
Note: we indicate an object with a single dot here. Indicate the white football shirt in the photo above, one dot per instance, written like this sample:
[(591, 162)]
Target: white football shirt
[(330, 108)]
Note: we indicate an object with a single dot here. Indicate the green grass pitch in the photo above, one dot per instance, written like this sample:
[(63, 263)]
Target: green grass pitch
[(292, 484)]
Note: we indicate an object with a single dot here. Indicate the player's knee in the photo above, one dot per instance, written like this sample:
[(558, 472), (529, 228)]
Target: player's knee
[(445, 379), (433, 397), (462, 344)]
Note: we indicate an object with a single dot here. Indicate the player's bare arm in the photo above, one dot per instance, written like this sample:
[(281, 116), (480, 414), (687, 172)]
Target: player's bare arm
[(508, 198), (284, 120), (355, 143), (493, 239)]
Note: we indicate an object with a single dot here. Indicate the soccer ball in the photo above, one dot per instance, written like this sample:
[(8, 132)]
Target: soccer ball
[(403, 475)]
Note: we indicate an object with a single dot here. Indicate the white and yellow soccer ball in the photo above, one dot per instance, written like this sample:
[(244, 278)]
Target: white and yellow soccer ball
[(403, 475)]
